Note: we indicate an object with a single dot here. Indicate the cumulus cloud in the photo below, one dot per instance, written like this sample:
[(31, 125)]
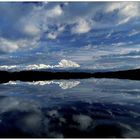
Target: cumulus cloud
[(82, 26), (14, 33), (39, 19), (126, 10), (31, 29), (130, 9), (28, 25), (52, 35), (9, 46), (56, 11)]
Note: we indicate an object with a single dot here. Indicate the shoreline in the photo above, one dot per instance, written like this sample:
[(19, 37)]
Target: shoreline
[(6, 76)]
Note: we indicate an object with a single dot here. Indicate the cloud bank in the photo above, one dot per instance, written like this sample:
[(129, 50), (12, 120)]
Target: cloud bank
[(60, 31), (28, 21), (62, 64)]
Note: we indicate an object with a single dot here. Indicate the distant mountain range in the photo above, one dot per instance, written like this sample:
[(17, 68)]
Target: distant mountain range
[(50, 75)]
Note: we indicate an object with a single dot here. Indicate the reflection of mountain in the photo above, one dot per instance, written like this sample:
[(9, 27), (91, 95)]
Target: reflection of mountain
[(64, 84), (68, 84)]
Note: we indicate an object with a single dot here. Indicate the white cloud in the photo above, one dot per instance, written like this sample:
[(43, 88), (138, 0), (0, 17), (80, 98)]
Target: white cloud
[(130, 9), (52, 35), (126, 10), (66, 3), (40, 19), (124, 20), (54, 12), (82, 26), (112, 6), (9, 46), (134, 32), (61, 28), (17, 38), (31, 29)]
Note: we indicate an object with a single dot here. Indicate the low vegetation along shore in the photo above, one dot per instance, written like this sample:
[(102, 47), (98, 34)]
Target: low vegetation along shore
[(6, 76)]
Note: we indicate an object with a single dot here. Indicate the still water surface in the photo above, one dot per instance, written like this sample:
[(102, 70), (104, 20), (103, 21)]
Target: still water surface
[(70, 108)]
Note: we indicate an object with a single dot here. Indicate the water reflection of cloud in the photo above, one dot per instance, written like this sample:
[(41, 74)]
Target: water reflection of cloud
[(114, 91), (95, 108), (53, 113), (83, 121), (13, 103), (77, 119)]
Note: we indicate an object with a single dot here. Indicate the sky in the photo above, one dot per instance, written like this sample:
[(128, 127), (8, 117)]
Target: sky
[(79, 35)]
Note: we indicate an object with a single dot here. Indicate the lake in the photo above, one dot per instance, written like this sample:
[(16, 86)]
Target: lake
[(70, 108)]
